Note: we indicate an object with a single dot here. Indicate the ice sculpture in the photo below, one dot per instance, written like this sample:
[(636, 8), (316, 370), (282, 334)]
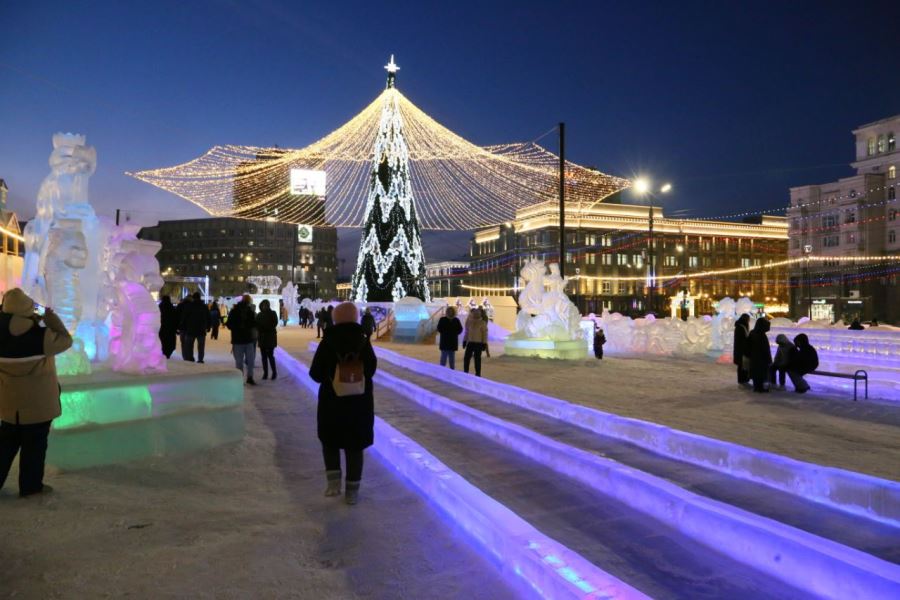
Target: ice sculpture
[(134, 326), (289, 297), (90, 271), (546, 314)]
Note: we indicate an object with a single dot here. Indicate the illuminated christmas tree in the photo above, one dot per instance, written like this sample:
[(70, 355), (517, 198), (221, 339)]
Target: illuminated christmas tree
[(391, 263)]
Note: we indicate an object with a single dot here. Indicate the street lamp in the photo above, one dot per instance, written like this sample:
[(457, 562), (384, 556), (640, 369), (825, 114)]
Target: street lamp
[(315, 287), (643, 187), (807, 250)]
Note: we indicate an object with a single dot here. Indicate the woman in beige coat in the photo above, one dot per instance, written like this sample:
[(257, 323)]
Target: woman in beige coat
[(29, 389), (475, 339)]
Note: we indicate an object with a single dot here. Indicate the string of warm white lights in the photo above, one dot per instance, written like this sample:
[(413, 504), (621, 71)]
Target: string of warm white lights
[(457, 185), (828, 200), (706, 274)]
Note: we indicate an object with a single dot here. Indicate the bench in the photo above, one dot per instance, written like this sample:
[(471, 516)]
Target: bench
[(860, 375)]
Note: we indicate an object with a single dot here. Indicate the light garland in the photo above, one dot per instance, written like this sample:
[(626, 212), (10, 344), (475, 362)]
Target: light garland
[(707, 274), (12, 234), (457, 185)]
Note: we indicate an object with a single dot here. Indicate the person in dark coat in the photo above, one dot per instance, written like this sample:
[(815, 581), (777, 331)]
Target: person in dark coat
[(803, 360), (778, 370), (449, 328), (344, 422), (215, 319), (320, 322), (242, 324), (194, 325), (741, 351), (760, 355), (179, 313), (599, 340), (168, 326), (267, 325), (368, 323)]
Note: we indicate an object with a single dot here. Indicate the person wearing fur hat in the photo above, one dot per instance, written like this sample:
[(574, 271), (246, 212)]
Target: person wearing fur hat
[(344, 365), (29, 388)]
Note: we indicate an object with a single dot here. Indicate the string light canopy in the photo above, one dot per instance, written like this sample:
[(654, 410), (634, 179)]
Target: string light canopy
[(457, 185)]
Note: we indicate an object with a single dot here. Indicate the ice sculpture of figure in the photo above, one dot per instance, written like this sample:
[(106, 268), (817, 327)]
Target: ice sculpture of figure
[(723, 325), (63, 259), (744, 305), (62, 195), (545, 314), (134, 343), (289, 297)]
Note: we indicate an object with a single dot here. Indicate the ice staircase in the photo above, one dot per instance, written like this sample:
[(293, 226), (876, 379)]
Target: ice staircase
[(632, 518)]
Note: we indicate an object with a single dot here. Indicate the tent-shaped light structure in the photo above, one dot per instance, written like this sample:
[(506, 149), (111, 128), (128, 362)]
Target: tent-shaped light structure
[(457, 185)]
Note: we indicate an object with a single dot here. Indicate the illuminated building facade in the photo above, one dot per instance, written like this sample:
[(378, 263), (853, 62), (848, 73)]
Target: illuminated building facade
[(855, 216), (607, 254), (231, 250), (446, 278), (11, 260)]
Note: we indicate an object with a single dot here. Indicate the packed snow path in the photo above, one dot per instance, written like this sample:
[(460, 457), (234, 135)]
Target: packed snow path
[(245, 520), (658, 560), (863, 534)]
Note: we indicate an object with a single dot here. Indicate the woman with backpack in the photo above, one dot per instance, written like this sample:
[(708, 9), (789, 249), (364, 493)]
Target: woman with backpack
[(344, 365)]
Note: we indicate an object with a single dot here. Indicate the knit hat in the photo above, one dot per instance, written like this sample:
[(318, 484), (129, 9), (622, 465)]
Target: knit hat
[(16, 302), (345, 312), (782, 339)]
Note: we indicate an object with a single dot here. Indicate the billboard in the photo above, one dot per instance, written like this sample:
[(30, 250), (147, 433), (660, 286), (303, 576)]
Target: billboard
[(304, 234), (306, 182)]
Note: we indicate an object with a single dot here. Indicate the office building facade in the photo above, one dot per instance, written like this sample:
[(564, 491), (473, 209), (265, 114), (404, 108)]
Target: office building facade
[(855, 220), (229, 251), (608, 253)]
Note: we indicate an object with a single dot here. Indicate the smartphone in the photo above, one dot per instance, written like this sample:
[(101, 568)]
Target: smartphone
[(39, 310)]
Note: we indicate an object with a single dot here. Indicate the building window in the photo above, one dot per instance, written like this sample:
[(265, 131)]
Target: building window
[(745, 262), (606, 259), (606, 286), (881, 143), (829, 221), (830, 241), (851, 216), (892, 193), (892, 142), (621, 259), (870, 147), (892, 214), (892, 236), (638, 261), (892, 172), (671, 261), (693, 261)]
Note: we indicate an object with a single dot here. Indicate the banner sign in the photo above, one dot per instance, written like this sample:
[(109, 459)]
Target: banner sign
[(304, 234), (305, 182)]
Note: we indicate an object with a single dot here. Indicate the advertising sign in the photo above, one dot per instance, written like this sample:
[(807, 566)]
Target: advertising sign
[(305, 182), (304, 234)]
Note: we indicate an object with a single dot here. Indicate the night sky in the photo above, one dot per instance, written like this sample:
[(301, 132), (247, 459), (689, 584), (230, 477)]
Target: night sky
[(734, 102)]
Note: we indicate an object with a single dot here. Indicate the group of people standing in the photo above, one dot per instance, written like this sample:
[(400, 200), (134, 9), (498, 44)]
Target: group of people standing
[(192, 320), (475, 338), (753, 357)]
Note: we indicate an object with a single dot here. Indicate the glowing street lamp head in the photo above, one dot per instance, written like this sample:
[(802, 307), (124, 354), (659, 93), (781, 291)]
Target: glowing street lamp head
[(666, 188), (641, 186)]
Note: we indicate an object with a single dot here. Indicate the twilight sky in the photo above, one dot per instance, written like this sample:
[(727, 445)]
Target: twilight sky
[(733, 102)]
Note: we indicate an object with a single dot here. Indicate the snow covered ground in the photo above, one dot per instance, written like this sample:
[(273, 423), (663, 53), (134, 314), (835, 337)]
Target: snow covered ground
[(697, 395), (245, 520)]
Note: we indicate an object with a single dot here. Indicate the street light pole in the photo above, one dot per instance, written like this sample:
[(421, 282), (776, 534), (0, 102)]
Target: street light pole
[(807, 249), (562, 200), (650, 261)]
